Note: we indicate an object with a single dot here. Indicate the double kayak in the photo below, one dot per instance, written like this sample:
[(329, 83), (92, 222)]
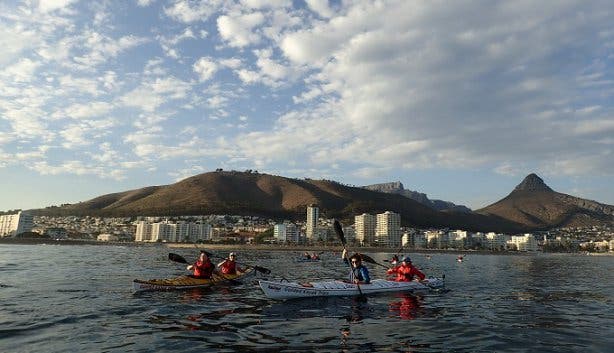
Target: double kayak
[(290, 290), (188, 282)]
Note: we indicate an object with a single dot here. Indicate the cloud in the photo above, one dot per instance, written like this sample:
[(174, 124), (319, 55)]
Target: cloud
[(205, 68), (52, 5), (237, 30), (320, 7), (22, 71), (192, 10), (152, 94)]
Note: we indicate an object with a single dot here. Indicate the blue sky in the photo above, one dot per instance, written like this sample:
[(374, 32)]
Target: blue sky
[(459, 100)]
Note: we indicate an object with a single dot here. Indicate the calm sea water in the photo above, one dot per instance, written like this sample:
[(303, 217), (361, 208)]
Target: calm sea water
[(79, 299)]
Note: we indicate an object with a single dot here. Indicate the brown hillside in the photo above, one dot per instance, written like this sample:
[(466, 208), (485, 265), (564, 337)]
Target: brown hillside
[(537, 206), (275, 197)]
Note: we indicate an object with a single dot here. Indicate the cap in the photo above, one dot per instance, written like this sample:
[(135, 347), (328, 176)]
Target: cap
[(407, 259), (232, 254)]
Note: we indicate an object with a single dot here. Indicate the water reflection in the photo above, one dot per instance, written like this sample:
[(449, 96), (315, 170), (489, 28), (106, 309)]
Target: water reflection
[(404, 306)]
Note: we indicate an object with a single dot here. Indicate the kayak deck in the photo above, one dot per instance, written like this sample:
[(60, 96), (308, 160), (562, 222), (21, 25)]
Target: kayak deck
[(187, 282), (289, 290)]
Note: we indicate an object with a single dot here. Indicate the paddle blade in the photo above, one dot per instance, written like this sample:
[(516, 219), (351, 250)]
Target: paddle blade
[(339, 231), (369, 259), (262, 270), (177, 258)]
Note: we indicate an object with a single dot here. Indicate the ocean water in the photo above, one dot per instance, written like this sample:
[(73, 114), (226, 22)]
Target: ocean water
[(63, 298)]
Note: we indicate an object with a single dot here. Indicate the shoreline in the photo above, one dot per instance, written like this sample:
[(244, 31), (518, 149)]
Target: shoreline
[(276, 247)]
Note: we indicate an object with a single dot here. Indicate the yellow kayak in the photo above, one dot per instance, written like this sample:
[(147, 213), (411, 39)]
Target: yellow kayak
[(187, 282)]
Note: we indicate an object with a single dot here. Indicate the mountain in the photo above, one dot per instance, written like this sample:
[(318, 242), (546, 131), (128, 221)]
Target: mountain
[(536, 205), (396, 187), (246, 193)]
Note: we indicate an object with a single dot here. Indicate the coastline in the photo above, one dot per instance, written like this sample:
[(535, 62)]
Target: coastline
[(276, 247)]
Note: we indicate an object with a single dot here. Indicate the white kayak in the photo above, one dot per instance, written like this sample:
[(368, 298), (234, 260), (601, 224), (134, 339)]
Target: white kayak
[(289, 290)]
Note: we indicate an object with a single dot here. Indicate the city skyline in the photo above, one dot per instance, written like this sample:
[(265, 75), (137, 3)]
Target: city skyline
[(456, 100)]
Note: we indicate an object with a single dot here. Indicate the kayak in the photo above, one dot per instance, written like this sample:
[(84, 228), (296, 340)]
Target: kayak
[(187, 282), (289, 290)]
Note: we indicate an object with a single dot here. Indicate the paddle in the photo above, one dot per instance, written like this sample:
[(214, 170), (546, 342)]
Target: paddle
[(370, 260), (341, 236), (181, 259), (177, 258)]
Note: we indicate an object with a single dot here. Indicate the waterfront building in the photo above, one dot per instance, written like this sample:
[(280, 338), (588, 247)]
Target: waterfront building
[(436, 239), (458, 238), (172, 232), (388, 229), (364, 226), (496, 241), (526, 242), (107, 237), (312, 223), (143, 231), (414, 240), (14, 224), (286, 233)]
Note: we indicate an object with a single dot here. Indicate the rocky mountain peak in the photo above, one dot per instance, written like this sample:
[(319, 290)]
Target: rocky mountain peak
[(532, 183)]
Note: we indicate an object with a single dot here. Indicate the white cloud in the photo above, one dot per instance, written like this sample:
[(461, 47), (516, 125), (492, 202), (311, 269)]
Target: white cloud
[(52, 5), (192, 10), (238, 30), (152, 94), (144, 3), (22, 71), (86, 110), (205, 68), (320, 7), (262, 4)]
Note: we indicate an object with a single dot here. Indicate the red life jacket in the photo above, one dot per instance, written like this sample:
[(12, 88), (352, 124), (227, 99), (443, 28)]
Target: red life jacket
[(203, 270), (406, 273), (229, 267)]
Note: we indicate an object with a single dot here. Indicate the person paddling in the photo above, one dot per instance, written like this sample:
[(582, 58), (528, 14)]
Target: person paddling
[(203, 268), (406, 271), (358, 273), (229, 265)]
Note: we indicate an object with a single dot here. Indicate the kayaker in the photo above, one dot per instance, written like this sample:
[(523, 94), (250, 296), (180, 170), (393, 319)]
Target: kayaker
[(203, 268), (359, 273), (406, 271), (229, 265)]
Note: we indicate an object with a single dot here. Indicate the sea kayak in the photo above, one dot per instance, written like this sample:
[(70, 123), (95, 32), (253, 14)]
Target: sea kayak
[(187, 282), (289, 290)]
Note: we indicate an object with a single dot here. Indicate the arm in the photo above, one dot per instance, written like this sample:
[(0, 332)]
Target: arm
[(365, 275), (419, 273)]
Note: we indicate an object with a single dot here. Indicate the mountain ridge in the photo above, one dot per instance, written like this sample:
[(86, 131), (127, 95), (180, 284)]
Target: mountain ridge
[(532, 205), (536, 205), (396, 187)]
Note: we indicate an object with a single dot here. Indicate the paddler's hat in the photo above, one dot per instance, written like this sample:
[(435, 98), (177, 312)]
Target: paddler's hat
[(407, 259), (232, 254)]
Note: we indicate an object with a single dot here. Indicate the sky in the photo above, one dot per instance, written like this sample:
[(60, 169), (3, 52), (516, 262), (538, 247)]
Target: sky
[(456, 99)]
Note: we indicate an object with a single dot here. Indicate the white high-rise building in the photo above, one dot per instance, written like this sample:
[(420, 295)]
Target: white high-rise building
[(312, 222), (172, 232), (526, 242), (365, 228), (286, 233), (13, 224), (388, 229), (143, 231), (496, 241)]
